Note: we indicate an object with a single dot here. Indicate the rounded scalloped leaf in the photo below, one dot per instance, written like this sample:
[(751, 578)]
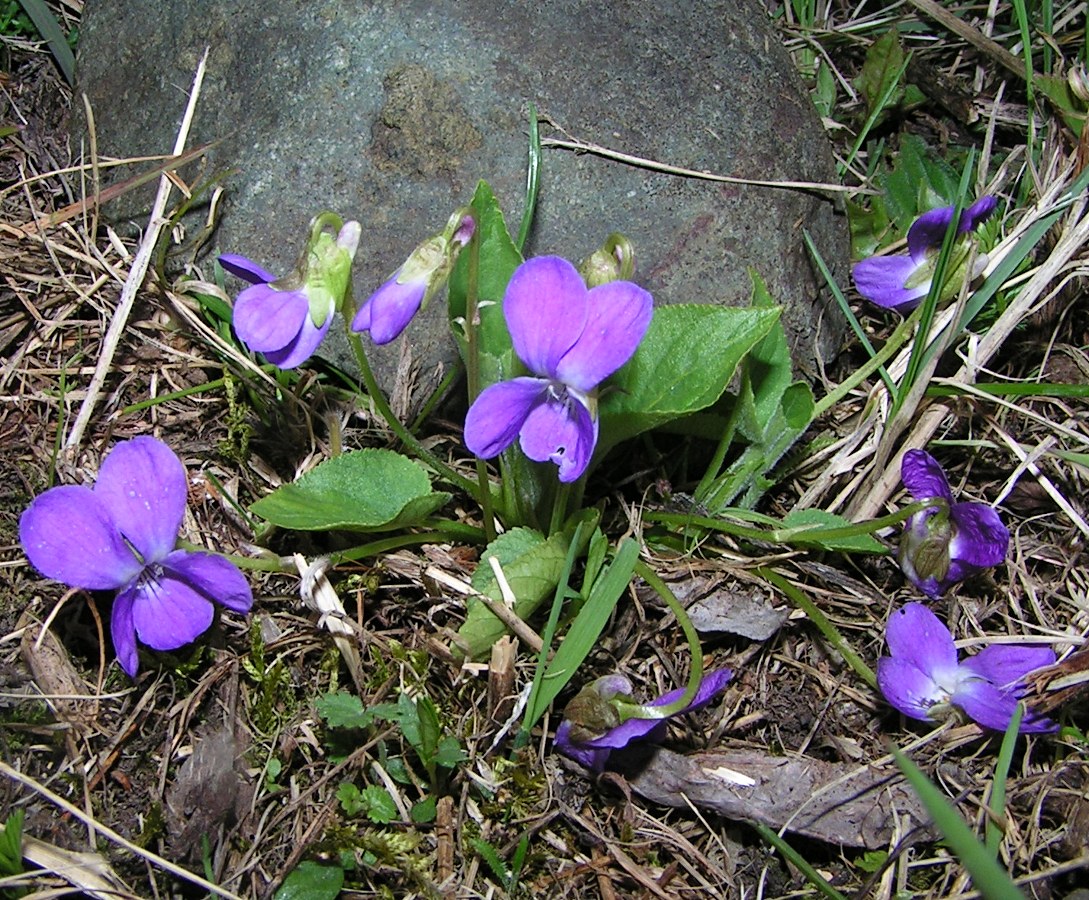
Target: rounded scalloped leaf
[(364, 490)]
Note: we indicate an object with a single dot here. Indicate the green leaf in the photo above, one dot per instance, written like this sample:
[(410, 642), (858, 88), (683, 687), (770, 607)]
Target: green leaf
[(449, 754), (771, 414), (919, 181), (824, 93), (11, 844), (1057, 90), (684, 364), (872, 861), (380, 807), (343, 710), (498, 258), (312, 881), (424, 811), (532, 566), (881, 71), (491, 856), (988, 877), (50, 30), (430, 729), (364, 490), (408, 717)]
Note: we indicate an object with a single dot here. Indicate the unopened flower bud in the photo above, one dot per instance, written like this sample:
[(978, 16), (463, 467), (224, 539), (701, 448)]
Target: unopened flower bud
[(613, 261), (389, 309)]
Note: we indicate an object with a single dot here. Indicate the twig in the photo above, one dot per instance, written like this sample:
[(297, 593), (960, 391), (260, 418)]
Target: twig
[(643, 163), (136, 275)]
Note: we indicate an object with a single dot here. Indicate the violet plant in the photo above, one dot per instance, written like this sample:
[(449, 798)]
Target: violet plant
[(286, 319), (571, 339), (603, 719), (922, 678), (950, 541), (901, 281), (120, 535)]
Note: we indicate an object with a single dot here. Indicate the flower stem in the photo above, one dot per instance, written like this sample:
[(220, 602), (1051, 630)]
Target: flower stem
[(483, 493), (896, 340), (823, 624), (559, 508), (695, 673), (404, 435)]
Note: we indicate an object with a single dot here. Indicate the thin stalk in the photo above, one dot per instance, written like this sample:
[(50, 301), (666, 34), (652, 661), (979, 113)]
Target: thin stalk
[(483, 492), (821, 621), (891, 347), (714, 467), (404, 435), (695, 674)]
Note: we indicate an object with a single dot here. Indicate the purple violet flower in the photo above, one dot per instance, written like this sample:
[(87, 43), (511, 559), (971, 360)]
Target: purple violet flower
[(901, 281), (120, 535), (571, 339), (946, 543), (921, 675), (388, 310), (592, 704), (286, 319)]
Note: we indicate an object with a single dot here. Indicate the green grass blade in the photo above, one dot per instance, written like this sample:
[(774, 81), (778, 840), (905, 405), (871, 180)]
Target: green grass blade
[(584, 631), (852, 320), (996, 805), (990, 879), (533, 179), (923, 348), (51, 33), (795, 858)]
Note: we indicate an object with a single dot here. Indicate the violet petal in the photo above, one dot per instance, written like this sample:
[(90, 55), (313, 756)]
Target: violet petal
[(68, 535), (588, 757), (980, 538), (123, 632), (144, 486), (915, 635), (267, 319), (545, 306), (497, 415), (975, 214), (244, 268), (302, 347), (389, 310), (561, 432), (627, 732), (712, 684), (216, 577), (923, 477), (619, 314), (168, 613), (881, 280), (928, 231), (993, 707), (907, 688), (1005, 664)]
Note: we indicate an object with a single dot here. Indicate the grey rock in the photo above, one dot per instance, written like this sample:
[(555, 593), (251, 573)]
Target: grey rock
[(389, 112)]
